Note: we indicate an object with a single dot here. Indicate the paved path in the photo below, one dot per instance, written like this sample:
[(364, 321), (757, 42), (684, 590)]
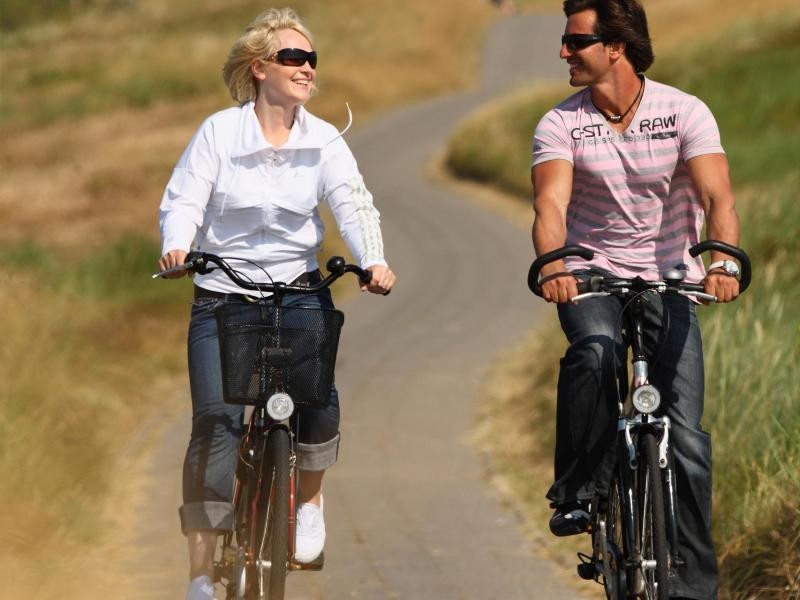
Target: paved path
[(409, 515)]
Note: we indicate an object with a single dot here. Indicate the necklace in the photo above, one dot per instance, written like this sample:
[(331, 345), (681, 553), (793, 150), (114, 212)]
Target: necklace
[(618, 118)]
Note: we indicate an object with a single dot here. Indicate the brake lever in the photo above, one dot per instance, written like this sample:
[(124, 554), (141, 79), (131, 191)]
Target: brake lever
[(579, 297), (170, 271), (698, 295)]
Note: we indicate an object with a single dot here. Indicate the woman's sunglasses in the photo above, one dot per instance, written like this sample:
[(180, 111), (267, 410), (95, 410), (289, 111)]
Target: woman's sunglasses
[(294, 57), (579, 41)]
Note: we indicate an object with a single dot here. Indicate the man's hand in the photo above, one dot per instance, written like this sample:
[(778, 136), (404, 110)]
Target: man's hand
[(173, 258), (559, 287), (722, 285), (383, 280)]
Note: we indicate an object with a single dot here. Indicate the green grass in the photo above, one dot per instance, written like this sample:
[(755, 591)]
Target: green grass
[(493, 145), (752, 346), (118, 274)]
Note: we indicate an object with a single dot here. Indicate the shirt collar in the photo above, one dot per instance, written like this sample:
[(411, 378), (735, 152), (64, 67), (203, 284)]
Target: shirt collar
[(302, 136)]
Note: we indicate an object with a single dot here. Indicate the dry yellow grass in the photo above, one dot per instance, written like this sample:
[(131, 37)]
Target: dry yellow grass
[(90, 141)]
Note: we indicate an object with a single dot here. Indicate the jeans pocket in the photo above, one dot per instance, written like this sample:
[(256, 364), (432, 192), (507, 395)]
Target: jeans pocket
[(201, 306)]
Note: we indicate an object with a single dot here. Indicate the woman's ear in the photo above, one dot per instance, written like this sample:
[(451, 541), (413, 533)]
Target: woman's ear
[(259, 69)]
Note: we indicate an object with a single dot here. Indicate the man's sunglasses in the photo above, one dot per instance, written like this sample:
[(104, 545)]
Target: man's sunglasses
[(579, 41), (294, 57)]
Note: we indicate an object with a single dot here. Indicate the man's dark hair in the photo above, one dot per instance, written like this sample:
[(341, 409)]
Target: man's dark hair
[(620, 21)]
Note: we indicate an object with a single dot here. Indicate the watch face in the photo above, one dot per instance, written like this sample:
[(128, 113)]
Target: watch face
[(731, 267)]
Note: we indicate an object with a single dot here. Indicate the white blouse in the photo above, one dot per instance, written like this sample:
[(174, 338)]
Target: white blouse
[(233, 194)]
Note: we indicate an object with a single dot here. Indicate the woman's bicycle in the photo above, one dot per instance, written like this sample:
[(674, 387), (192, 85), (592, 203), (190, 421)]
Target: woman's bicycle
[(274, 358), (634, 527)]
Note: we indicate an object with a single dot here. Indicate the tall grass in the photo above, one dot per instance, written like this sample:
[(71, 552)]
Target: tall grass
[(752, 347), (114, 55), (98, 100), (80, 342)]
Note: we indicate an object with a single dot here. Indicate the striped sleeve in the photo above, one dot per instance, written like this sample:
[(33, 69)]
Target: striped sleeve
[(551, 140), (351, 204), (699, 131)]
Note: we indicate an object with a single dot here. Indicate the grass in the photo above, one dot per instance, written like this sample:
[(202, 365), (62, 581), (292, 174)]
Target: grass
[(752, 347), (97, 102)]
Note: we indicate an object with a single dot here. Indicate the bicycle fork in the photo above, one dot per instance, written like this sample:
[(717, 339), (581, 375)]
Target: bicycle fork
[(646, 398)]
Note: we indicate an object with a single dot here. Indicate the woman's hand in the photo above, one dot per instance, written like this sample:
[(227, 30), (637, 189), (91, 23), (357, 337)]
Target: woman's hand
[(173, 258), (382, 280)]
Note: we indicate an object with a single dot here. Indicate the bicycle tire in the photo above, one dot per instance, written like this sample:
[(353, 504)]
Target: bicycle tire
[(242, 575), (653, 531), (274, 510), (608, 545)]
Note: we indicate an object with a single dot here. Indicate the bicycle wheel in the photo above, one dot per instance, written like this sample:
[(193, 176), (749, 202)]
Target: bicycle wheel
[(238, 545), (608, 543), (274, 512), (653, 532)]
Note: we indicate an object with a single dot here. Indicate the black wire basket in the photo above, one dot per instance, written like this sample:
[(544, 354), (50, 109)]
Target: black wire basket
[(267, 349)]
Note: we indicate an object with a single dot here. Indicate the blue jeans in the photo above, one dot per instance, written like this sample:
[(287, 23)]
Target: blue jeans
[(210, 463), (594, 366)]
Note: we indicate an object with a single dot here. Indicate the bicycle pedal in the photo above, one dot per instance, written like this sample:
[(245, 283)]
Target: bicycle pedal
[(587, 571), (314, 565)]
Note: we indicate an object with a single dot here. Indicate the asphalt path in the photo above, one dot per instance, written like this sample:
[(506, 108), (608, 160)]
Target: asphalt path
[(408, 510)]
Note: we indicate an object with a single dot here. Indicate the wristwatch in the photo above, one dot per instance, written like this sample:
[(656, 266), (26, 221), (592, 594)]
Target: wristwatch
[(730, 267)]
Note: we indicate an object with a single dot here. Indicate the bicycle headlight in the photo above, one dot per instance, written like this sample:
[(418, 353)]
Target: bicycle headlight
[(280, 406), (646, 399)]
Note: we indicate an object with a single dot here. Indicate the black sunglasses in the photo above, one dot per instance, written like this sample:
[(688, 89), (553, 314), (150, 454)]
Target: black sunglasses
[(579, 41), (294, 57)]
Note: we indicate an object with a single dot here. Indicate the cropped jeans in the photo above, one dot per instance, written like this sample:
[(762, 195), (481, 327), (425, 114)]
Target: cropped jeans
[(594, 365), (217, 427)]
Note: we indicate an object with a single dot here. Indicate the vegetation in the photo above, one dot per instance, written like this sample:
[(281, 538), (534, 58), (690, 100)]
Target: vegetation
[(98, 100), (752, 346)]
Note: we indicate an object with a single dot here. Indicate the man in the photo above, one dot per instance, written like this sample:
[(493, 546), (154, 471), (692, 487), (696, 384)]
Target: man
[(630, 168)]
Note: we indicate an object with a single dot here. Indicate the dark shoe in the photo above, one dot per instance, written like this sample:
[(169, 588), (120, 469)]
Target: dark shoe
[(570, 519)]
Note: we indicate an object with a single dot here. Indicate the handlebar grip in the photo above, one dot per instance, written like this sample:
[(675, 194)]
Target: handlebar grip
[(737, 253), (196, 262), (554, 255), (338, 266)]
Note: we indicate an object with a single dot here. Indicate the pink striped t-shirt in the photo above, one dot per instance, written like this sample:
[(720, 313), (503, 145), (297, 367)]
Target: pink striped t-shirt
[(632, 200)]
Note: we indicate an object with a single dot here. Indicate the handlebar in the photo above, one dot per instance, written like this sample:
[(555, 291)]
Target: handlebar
[(672, 279), (200, 262)]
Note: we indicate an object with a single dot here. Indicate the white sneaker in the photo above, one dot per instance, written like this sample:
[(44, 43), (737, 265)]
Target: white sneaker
[(201, 588), (310, 532)]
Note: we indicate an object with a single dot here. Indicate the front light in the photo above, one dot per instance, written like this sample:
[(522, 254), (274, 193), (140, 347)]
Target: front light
[(280, 406), (646, 399)]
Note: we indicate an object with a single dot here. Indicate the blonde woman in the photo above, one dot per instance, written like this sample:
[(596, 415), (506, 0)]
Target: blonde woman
[(249, 185)]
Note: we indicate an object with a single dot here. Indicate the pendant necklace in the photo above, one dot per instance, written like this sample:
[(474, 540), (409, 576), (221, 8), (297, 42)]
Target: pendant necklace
[(618, 118)]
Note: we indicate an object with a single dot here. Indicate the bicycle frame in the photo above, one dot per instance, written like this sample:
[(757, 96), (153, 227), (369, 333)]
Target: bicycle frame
[(259, 426), (630, 424)]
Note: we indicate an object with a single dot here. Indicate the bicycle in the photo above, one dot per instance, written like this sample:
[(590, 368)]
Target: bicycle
[(274, 358), (634, 528)]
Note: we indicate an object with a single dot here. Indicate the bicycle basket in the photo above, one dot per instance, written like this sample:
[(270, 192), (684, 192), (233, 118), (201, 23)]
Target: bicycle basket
[(266, 349)]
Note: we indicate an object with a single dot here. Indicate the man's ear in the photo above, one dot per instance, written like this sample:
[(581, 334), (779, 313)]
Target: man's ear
[(616, 50)]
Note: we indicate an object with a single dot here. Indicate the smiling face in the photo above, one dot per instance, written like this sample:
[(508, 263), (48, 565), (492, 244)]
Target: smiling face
[(586, 66), (284, 85)]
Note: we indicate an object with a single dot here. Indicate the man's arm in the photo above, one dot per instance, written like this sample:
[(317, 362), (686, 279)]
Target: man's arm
[(552, 188), (710, 176)]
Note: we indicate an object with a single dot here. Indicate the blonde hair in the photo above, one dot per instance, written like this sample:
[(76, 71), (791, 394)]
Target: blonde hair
[(259, 40)]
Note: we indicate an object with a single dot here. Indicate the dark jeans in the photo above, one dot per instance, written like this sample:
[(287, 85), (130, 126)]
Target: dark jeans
[(210, 463), (591, 371)]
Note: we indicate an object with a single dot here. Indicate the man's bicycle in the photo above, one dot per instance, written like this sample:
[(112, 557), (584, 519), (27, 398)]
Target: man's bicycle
[(274, 358), (634, 527)]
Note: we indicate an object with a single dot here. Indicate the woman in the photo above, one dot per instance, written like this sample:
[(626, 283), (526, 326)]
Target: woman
[(249, 185)]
